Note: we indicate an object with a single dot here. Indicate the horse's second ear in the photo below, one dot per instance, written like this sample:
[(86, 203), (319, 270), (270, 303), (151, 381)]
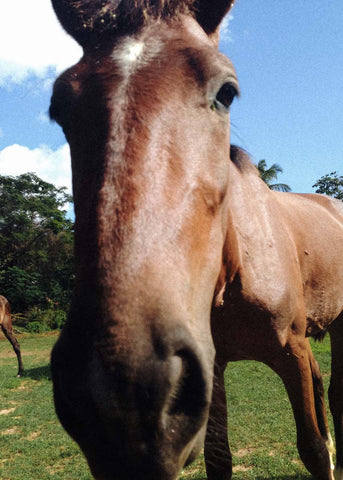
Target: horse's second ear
[(86, 20), (210, 13)]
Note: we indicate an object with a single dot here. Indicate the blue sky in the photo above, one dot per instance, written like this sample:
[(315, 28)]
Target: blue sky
[(289, 61)]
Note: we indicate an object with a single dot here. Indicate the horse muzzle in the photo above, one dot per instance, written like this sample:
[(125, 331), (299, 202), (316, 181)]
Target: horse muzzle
[(137, 414)]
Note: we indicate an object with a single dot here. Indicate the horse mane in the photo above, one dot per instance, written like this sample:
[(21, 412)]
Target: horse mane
[(241, 159), (82, 17), (155, 8)]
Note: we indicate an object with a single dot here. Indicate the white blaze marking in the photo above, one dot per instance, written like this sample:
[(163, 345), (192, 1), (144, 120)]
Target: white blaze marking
[(129, 55), (133, 51)]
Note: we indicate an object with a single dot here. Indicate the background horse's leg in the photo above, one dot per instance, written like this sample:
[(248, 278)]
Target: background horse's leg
[(319, 398), (217, 451), (8, 332), (293, 366), (336, 390)]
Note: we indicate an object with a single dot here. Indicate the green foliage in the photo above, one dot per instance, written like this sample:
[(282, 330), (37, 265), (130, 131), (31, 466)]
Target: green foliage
[(270, 174), (49, 319), (36, 243), (21, 287), (37, 327), (330, 184)]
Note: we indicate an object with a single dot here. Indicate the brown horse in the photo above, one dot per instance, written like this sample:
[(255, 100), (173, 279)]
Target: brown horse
[(6, 326), (185, 260), (284, 284)]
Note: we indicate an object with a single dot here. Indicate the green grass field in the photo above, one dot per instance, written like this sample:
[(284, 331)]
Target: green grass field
[(33, 445)]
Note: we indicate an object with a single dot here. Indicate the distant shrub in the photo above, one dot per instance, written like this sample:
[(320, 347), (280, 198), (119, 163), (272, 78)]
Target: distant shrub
[(49, 319), (57, 319), (37, 327)]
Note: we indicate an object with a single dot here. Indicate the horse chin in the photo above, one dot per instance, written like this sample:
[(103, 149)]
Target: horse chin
[(163, 464), (197, 447), (170, 471)]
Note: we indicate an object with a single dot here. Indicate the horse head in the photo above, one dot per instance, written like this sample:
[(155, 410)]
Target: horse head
[(146, 115)]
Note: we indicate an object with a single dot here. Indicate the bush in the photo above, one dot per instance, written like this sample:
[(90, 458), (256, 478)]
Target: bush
[(38, 320), (37, 327), (57, 319)]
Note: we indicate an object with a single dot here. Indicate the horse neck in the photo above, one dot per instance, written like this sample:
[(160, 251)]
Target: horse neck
[(250, 203)]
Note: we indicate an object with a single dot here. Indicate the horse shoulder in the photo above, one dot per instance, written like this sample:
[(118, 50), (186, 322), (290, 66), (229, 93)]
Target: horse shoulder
[(265, 291), (315, 223)]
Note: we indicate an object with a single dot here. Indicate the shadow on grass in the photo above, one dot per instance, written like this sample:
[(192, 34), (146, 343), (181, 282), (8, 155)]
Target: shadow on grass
[(265, 477), (285, 477), (38, 373)]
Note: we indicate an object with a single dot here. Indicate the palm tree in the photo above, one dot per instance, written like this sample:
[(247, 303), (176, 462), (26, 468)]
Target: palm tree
[(270, 174)]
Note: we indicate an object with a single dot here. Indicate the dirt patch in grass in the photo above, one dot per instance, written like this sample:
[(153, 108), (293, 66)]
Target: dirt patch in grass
[(241, 468), (11, 431), (192, 470), (33, 436), (38, 354), (56, 469), (24, 385), (7, 411), (243, 452), (26, 353)]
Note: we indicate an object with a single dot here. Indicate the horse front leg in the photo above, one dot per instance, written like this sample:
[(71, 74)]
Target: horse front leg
[(217, 451), (319, 399), (292, 363), (8, 332), (336, 391)]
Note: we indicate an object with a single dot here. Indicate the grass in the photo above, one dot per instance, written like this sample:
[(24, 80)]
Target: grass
[(33, 445)]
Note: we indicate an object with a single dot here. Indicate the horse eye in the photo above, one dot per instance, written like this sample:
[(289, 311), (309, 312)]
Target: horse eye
[(225, 97)]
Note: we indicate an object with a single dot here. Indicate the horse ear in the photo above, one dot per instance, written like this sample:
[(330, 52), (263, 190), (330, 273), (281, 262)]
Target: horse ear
[(210, 13), (87, 20)]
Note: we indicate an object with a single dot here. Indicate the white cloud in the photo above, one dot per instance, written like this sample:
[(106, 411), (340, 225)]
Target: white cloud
[(53, 166), (32, 41), (225, 33), (43, 117)]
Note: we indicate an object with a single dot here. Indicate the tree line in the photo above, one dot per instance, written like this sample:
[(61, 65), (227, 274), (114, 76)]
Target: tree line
[(36, 250), (36, 244)]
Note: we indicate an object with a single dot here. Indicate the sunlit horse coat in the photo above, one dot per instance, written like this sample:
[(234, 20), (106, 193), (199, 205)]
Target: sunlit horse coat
[(184, 258)]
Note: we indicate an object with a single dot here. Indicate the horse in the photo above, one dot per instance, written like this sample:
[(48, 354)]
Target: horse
[(6, 327), (184, 259), (286, 285)]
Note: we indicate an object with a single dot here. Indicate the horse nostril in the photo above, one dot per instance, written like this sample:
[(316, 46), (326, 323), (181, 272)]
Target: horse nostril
[(188, 397)]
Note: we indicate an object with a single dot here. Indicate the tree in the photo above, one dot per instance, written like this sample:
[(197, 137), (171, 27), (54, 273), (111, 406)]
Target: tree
[(270, 174), (330, 184), (36, 242)]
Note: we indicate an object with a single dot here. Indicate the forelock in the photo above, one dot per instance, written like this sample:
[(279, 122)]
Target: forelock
[(126, 16)]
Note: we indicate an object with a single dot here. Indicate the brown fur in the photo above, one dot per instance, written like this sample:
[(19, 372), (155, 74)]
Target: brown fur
[(114, 17), (185, 259), (95, 22), (6, 326)]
